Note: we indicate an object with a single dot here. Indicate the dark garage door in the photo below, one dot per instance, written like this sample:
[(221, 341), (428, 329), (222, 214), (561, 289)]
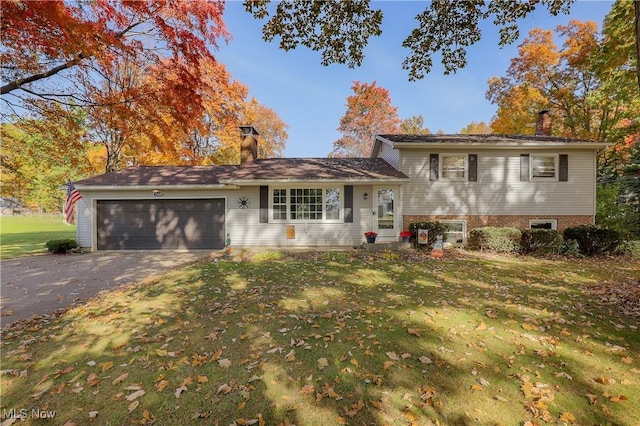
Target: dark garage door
[(160, 224)]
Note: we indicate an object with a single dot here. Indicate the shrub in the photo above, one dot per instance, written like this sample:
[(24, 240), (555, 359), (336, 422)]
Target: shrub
[(501, 240), (571, 248), (541, 241), (61, 246), (593, 240), (433, 228)]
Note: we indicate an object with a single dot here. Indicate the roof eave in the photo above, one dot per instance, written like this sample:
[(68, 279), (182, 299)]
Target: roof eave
[(502, 145), (80, 187), (254, 182)]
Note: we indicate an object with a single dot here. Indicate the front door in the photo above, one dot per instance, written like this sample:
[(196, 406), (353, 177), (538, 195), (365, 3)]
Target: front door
[(384, 204)]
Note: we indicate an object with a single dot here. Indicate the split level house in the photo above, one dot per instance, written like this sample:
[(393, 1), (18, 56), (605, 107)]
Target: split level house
[(463, 181)]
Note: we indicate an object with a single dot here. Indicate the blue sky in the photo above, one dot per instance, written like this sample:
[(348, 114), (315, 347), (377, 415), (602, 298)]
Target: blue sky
[(311, 98)]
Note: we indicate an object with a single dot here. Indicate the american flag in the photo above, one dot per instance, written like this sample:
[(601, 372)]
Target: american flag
[(72, 196)]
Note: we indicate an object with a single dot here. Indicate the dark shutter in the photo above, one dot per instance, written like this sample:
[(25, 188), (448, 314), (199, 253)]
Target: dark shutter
[(348, 203), (473, 167), (524, 167), (563, 172), (264, 204), (433, 166)]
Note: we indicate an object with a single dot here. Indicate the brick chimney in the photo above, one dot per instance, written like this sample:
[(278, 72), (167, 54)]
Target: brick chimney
[(543, 123), (248, 145)]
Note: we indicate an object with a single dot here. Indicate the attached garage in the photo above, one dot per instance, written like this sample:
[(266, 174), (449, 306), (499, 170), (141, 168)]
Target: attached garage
[(161, 224)]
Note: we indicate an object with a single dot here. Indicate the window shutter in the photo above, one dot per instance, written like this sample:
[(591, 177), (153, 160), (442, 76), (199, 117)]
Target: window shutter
[(563, 172), (433, 166), (473, 167), (524, 167), (264, 204), (348, 203)]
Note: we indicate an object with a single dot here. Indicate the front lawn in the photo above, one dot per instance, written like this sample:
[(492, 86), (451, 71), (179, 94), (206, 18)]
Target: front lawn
[(26, 235), (341, 338)]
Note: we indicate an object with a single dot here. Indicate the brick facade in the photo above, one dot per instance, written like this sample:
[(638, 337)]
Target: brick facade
[(520, 222)]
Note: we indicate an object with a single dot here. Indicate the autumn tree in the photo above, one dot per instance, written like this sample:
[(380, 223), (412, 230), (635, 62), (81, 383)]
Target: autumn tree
[(474, 128), (446, 28), (41, 153), (369, 112), (271, 141), (72, 53), (414, 126)]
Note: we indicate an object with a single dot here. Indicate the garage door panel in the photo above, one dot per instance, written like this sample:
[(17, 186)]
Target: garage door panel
[(161, 224)]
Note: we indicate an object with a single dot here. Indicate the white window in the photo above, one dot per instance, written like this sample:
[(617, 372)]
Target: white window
[(543, 224), (453, 166), (279, 204), (456, 231), (332, 203), (544, 166), (306, 204)]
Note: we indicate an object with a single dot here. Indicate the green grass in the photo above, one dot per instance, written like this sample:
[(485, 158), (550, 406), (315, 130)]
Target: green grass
[(363, 338), (25, 235)]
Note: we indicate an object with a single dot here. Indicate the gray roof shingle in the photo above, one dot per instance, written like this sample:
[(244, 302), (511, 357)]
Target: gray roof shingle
[(270, 169)]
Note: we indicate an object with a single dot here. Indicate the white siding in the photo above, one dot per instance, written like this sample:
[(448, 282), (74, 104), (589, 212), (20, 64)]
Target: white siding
[(389, 154), (498, 190), (242, 225)]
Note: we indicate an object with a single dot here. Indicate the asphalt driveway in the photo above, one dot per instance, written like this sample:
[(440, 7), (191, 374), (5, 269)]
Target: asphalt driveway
[(42, 284)]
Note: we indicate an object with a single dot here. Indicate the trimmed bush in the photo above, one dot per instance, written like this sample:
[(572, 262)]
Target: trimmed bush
[(61, 246), (501, 240), (433, 228), (571, 248), (541, 241), (595, 241)]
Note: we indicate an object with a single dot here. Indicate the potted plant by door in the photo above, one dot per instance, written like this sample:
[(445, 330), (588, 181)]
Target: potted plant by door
[(371, 236), (406, 236)]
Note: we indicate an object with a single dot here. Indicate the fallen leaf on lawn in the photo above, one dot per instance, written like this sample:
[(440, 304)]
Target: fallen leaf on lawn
[(425, 360), (393, 356), (593, 399), (134, 395), (354, 362), (388, 364), (291, 356), (605, 380), (627, 360), (224, 363), (618, 398), (120, 378), (161, 352), (26, 357), (409, 415), (93, 414), (203, 379), (482, 326), (106, 365), (10, 420), (224, 388), (414, 331), (341, 420), (322, 363), (179, 391), (565, 375), (162, 384), (308, 389), (133, 406), (500, 398), (567, 417), (476, 387)]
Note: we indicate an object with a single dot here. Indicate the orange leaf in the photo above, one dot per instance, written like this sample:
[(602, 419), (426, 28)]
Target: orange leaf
[(414, 331), (388, 364)]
